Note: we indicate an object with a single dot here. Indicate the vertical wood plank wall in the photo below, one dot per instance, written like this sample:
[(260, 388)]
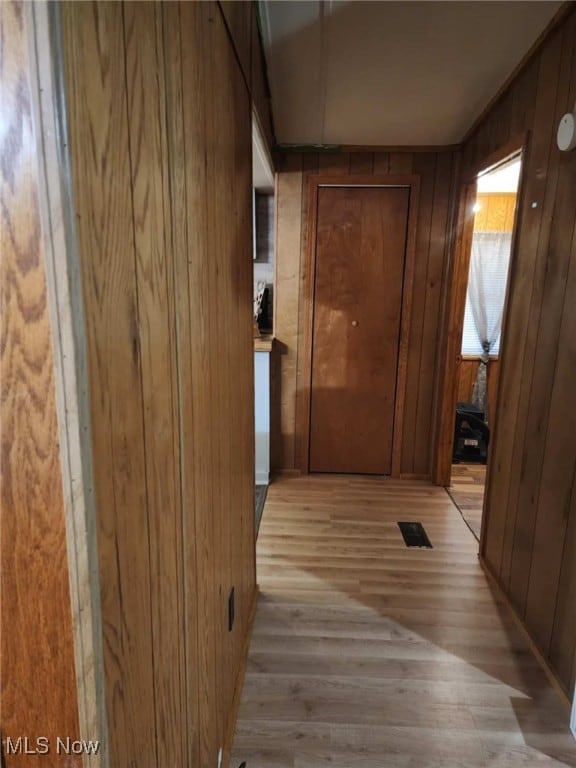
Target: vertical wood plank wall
[(530, 537), (243, 30), (467, 373), (160, 142), (496, 213), (436, 170), (37, 655)]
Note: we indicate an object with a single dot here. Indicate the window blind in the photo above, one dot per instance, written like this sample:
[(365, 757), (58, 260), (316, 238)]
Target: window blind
[(487, 281)]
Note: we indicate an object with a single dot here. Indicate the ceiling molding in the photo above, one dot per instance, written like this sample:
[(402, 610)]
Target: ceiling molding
[(400, 148)]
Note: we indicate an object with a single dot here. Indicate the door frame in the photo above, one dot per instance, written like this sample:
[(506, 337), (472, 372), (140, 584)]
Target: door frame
[(306, 305), (454, 321)]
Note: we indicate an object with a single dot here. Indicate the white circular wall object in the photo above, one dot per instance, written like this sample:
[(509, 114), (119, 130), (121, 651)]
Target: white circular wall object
[(566, 136)]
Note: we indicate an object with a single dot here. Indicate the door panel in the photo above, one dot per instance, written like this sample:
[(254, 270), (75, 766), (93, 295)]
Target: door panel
[(360, 253)]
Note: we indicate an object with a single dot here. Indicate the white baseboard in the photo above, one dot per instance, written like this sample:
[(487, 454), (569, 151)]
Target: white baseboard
[(262, 478)]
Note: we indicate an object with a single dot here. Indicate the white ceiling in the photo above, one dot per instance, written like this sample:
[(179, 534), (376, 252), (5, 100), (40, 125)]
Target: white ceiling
[(391, 73)]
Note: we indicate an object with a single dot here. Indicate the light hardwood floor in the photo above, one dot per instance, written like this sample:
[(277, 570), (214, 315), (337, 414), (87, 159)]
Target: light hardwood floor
[(467, 491), (371, 655)]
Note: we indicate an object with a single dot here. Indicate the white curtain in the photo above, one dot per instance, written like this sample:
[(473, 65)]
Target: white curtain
[(487, 281)]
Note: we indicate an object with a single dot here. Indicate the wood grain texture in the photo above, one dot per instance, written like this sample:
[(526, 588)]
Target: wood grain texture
[(241, 19), (144, 46), (289, 197), (100, 153), (467, 373), (37, 653), (261, 99), (495, 212), (366, 653), (359, 273), (456, 285), (183, 237), (70, 374), (160, 127), (239, 25), (436, 172), (530, 481)]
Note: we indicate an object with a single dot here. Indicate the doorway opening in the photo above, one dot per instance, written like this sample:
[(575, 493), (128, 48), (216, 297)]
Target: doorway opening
[(263, 181), (481, 350)]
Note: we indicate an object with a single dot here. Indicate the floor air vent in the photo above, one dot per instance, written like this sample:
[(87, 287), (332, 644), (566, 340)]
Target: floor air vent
[(414, 535)]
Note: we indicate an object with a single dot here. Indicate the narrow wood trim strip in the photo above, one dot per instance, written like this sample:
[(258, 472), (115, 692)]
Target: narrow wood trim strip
[(543, 663), (452, 332), (405, 323), (65, 302), (498, 157)]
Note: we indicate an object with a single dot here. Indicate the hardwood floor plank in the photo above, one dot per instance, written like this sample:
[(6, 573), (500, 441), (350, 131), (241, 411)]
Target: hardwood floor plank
[(367, 653), (466, 490)]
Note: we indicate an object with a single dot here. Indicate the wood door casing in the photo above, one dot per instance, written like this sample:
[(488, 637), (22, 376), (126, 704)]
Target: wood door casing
[(361, 237)]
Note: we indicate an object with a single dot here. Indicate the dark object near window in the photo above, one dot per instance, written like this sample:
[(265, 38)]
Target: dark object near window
[(265, 316), (471, 435)]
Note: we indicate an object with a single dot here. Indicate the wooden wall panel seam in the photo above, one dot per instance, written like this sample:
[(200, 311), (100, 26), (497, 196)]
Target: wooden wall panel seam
[(439, 233), (564, 560), (299, 459), (529, 515), (138, 343), (551, 363), (189, 733), (166, 260), (172, 25), (419, 379), (246, 76), (438, 471)]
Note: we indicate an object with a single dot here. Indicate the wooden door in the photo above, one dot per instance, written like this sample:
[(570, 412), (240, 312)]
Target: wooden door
[(360, 253)]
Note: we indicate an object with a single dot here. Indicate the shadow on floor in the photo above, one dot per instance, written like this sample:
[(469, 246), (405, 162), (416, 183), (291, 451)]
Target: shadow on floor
[(260, 500), (369, 654)]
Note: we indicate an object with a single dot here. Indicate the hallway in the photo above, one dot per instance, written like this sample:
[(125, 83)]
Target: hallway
[(366, 654)]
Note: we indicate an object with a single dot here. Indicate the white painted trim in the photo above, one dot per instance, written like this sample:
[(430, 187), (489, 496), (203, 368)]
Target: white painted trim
[(262, 478), (64, 293), (260, 150), (573, 716)]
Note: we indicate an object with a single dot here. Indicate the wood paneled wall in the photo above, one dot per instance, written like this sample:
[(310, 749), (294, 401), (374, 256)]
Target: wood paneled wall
[(436, 170), (496, 212), (467, 373), (160, 143), (529, 541), (243, 29), (37, 654)]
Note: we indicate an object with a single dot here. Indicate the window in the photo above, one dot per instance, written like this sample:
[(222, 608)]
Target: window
[(486, 292)]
